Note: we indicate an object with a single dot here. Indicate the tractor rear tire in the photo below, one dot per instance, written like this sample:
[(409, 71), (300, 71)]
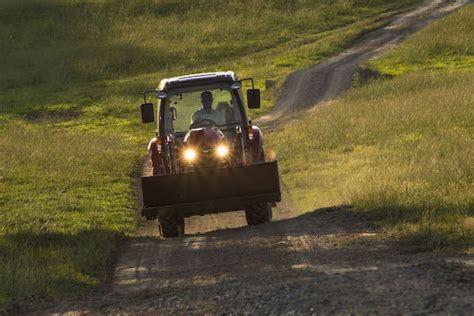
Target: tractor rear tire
[(258, 214), (171, 225)]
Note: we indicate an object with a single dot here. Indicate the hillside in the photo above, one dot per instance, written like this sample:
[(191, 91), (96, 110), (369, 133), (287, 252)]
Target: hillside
[(398, 149), (72, 73)]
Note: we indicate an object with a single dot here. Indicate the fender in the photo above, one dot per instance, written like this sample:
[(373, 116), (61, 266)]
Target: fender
[(257, 145), (156, 159)]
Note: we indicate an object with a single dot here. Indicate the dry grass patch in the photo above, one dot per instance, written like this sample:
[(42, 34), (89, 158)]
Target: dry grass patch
[(401, 150)]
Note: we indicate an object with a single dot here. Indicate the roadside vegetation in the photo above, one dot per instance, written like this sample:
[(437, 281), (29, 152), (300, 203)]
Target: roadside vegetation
[(445, 45), (399, 150), (71, 77)]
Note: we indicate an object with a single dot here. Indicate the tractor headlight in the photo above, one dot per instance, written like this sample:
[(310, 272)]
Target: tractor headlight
[(222, 151), (190, 155)]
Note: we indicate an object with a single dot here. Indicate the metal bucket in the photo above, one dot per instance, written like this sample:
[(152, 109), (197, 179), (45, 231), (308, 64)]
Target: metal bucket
[(211, 190)]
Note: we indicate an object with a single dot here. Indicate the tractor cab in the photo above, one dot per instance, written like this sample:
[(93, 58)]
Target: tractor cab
[(200, 100), (204, 117)]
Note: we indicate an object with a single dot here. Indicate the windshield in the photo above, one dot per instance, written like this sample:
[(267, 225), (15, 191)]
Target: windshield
[(187, 109)]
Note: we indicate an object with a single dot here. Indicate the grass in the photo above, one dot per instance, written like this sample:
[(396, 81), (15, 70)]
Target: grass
[(448, 45), (71, 77), (61, 207), (401, 150)]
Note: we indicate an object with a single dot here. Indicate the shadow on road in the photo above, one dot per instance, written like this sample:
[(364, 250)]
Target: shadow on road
[(327, 261)]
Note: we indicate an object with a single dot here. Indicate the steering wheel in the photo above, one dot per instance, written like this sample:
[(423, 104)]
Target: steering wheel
[(198, 122)]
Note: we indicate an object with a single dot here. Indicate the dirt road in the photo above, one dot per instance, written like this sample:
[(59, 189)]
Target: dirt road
[(323, 82), (327, 261)]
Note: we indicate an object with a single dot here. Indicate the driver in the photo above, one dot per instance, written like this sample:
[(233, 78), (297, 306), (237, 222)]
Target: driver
[(207, 112)]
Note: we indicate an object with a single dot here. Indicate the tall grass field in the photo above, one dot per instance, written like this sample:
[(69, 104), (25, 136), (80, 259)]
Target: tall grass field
[(399, 150), (71, 76)]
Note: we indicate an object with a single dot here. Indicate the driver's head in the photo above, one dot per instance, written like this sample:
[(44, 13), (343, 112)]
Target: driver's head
[(206, 100)]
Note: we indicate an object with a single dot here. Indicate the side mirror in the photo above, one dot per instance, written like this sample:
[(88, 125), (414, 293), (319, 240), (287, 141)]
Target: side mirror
[(253, 98), (148, 113)]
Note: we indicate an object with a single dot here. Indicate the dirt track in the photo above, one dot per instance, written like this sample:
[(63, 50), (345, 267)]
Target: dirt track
[(326, 80), (327, 261)]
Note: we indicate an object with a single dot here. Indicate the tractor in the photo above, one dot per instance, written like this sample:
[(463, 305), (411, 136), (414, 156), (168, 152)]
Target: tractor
[(207, 157)]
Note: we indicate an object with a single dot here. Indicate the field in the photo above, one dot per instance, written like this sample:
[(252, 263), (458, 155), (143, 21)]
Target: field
[(71, 77), (400, 149)]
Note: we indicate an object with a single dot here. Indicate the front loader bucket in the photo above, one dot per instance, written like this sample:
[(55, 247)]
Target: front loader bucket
[(211, 190)]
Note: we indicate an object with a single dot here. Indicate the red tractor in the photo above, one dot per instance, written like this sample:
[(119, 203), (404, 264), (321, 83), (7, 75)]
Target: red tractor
[(207, 157)]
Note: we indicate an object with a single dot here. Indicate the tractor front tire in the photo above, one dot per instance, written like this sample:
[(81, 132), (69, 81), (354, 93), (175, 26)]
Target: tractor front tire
[(171, 225), (258, 214)]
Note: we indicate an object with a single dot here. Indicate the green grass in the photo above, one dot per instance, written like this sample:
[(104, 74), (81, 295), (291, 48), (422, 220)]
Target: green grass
[(132, 44), (448, 44), (62, 208), (71, 77), (401, 150)]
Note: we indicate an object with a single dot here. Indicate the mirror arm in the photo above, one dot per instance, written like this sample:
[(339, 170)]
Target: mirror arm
[(147, 92), (246, 79)]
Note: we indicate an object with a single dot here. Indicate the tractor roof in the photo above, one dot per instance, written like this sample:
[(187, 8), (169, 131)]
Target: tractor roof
[(197, 80)]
